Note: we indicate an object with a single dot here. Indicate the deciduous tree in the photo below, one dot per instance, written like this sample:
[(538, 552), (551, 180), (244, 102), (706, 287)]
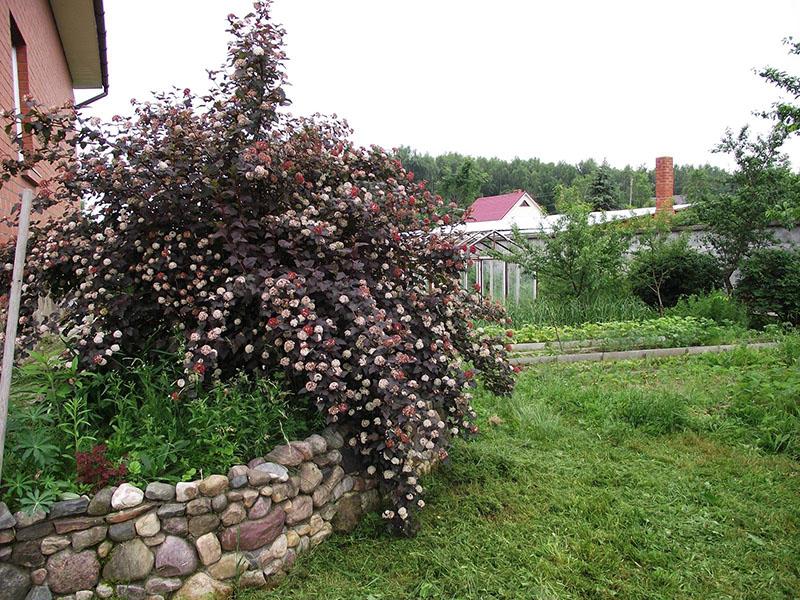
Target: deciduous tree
[(578, 258)]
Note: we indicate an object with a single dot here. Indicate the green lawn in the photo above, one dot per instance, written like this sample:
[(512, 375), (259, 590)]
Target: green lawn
[(672, 478)]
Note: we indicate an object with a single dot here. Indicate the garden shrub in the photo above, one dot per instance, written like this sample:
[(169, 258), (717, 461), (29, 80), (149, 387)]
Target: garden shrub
[(769, 285), (661, 273), (254, 241)]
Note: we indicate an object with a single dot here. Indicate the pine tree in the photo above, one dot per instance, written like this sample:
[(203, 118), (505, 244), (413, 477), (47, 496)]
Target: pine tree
[(601, 189)]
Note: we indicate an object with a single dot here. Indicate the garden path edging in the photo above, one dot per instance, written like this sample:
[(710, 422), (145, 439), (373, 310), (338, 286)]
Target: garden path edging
[(634, 354), (588, 343), (189, 541)]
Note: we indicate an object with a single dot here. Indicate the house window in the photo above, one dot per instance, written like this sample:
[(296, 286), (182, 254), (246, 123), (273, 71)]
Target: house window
[(19, 74)]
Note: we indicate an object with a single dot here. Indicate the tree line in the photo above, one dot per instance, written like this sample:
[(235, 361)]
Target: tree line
[(461, 178)]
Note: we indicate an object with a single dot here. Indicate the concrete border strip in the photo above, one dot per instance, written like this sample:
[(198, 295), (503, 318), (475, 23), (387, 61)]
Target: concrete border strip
[(636, 354)]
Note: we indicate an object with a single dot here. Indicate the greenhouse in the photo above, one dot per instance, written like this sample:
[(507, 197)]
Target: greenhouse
[(489, 229)]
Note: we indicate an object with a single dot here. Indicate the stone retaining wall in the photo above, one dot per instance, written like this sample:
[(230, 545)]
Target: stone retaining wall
[(191, 540)]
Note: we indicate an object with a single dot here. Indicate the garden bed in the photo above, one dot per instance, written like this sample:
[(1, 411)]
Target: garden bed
[(71, 431), (669, 331), (196, 540)]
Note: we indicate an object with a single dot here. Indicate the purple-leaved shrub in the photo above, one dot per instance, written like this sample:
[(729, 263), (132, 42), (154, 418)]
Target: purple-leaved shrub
[(260, 242)]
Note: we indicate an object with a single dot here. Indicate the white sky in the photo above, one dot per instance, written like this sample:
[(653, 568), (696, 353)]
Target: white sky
[(559, 80)]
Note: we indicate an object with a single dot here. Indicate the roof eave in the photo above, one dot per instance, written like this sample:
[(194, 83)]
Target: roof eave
[(81, 26)]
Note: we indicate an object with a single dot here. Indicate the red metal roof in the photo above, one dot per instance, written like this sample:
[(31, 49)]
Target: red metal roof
[(493, 208)]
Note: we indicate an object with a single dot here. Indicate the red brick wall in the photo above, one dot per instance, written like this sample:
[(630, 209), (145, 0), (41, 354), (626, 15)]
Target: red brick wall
[(665, 179), (48, 75)]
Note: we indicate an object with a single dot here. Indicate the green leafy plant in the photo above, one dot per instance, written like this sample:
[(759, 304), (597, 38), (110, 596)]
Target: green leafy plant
[(146, 430), (769, 285), (580, 258), (716, 306), (37, 448), (663, 332), (665, 269), (37, 499), (76, 423), (599, 308)]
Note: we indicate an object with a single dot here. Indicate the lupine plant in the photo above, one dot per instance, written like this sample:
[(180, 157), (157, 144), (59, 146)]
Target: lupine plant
[(260, 242)]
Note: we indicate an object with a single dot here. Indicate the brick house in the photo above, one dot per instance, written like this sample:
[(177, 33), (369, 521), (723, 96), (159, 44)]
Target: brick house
[(48, 48)]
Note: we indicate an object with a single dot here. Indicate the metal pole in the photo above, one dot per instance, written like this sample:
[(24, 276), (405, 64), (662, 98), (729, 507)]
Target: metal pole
[(13, 315), (505, 281), (630, 194), (492, 265), (491, 279)]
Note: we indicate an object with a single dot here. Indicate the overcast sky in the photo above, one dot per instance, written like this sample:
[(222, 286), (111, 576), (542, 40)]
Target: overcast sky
[(565, 80)]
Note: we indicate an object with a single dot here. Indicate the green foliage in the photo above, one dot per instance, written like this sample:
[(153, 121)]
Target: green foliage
[(631, 185), (579, 259), (664, 269), (770, 285), (669, 331), (463, 185), (785, 116), (665, 413), (164, 437), (46, 425), (783, 111), (547, 310), (737, 222), (636, 187), (57, 410), (716, 306), (567, 499), (698, 182), (601, 193), (764, 185)]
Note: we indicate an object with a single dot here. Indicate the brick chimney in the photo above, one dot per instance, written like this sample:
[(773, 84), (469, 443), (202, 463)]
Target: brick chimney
[(665, 179)]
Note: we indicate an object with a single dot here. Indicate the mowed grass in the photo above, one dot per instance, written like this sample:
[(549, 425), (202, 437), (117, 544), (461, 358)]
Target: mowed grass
[(675, 478)]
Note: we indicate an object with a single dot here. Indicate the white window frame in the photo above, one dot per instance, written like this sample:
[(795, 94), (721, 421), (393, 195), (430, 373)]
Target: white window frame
[(17, 99)]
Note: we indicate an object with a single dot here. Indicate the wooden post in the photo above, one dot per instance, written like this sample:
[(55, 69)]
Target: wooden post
[(535, 287), (13, 315), (480, 275), (516, 283)]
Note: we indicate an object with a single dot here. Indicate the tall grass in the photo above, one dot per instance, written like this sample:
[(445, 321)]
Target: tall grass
[(599, 480), (554, 311)]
